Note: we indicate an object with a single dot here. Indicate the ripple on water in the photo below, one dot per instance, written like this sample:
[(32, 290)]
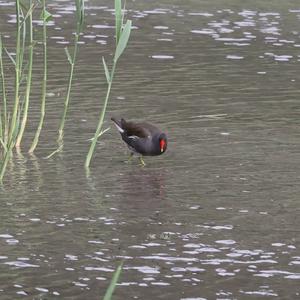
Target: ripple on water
[(271, 273), (197, 298), (271, 30), (21, 264), (163, 56), (43, 290), (260, 293), (282, 57), (226, 242), (206, 31), (145, 269), (102, 269), (170, 258), (21, 293), (161, 27), (235, 57), (102, 26), (203, 14), (191, 252), (200, 248), (6, 236)]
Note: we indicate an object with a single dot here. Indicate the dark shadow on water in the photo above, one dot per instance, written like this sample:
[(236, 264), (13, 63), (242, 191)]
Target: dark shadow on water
[(144, 185)]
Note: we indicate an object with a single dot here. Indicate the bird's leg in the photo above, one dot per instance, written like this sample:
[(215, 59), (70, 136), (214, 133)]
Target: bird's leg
[(143, 164), (130, 157)]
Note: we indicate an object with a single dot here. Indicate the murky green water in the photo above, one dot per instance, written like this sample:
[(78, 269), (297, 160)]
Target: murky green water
[(217, 216)]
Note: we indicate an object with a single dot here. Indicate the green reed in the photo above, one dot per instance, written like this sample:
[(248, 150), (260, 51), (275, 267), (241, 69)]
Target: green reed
[(29, 76), (13, 121), (122, 33), (12, 125), (113, 283), (17, 63), (71, 60), (46, 16), (3, 112), (14, 114)]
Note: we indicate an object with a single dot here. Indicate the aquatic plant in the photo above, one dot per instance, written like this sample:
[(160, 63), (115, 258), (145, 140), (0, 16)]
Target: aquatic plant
[(3, 111), (11, 126), (29, 76), (113, 283), (14, 115), (122, 33), (46, 16), (72, 60)]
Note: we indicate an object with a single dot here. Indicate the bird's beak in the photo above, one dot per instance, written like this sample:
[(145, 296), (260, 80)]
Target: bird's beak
[(162, 145)]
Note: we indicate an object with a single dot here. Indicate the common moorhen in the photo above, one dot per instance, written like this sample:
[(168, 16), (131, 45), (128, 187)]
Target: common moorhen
[(142, 138)]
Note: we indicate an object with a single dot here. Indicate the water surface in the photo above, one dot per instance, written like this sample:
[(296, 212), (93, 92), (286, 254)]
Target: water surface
[(216, 217)]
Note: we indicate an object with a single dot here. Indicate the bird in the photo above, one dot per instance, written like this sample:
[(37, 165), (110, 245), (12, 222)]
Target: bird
[(142, 138)]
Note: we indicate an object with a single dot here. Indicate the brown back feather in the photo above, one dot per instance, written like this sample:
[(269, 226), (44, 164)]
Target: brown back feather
[(142, 130)]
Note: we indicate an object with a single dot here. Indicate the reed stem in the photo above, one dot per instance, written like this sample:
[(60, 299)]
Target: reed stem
[(113, 283), (13, 123), (3, 112), (101, 119), (122, 37), (44, 84), (67, 99), (17, 76), (79, 25), (28, 85)]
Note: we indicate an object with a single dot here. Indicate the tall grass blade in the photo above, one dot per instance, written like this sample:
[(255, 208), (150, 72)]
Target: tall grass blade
[(118, 20), (3, 144), (79, 22), (17, 76), (9, 147), (28, 84), (3, 115), (107, 75), (122, 43), (1, 129), (22, 50), (113, 283), (45, 17), (10, 57), (123, 40), (23, 4), (123, 13), (100, 122), (29, 10), (54, 152), (68, 55), (79, 14)]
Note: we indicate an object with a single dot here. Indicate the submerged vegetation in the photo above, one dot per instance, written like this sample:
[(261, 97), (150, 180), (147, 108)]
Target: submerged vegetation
[(14, 110)]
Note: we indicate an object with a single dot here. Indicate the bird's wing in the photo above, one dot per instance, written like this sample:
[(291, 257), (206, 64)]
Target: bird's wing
[(135, 130)]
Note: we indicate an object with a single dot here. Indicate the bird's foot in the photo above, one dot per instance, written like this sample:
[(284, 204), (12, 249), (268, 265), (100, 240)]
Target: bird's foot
[(142, 163), (129, 158)]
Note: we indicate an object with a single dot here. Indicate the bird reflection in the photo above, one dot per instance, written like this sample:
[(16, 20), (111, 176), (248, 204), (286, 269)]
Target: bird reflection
[(143, 188)]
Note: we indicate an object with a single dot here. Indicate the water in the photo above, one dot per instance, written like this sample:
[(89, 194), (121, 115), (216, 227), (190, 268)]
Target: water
[(216, 217)]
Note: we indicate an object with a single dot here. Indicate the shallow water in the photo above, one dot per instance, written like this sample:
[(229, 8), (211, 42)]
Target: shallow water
[(216, 217)]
